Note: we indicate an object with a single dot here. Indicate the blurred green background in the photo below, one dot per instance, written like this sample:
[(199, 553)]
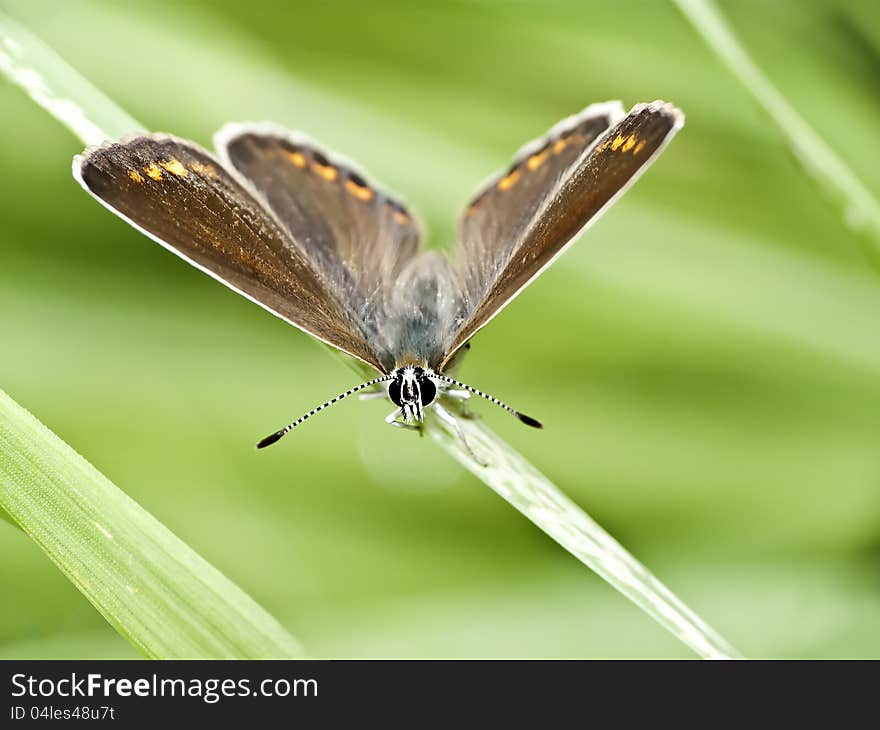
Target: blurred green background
[(706, 360)]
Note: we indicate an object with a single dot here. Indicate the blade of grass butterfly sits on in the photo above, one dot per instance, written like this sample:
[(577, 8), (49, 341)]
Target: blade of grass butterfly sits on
[(307, 236)]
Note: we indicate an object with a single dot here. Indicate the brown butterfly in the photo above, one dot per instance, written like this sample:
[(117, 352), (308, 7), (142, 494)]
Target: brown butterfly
[(310, 239)]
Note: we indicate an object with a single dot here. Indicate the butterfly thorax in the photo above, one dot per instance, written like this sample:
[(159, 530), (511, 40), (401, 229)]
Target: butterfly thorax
[(411, 390)]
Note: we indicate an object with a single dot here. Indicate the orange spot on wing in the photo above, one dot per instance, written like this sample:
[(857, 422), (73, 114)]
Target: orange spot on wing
[(629, 144), (297, 159), (153, 171), (509, 180), (136, 176), (359, 191), (559, 145), (200, 169), (398, 213), (639, 147), (618, 140), (536, 160), (328, 172), (175, 167)]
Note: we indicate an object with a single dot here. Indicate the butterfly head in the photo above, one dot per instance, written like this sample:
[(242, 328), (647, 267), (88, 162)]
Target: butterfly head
[(411, 390)]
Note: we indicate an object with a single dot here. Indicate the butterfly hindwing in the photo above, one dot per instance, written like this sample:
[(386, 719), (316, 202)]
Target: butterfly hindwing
[(358, 236), (497, 260), (186, 200), (494, 219)]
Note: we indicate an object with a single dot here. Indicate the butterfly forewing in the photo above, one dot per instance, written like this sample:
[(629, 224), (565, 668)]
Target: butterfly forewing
[(495, 270), (184, 198)]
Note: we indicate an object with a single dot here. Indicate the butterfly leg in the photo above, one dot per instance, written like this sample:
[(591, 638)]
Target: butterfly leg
[(391, 420), (461, 395), (449, 419)]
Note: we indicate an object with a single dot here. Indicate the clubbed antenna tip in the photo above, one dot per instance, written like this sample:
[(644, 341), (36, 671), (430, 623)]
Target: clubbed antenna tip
[(529, 421), (269, 440)]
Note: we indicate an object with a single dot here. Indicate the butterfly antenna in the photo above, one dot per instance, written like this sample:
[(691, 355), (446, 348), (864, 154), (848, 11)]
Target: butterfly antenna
[(269, 440), (528, 420)]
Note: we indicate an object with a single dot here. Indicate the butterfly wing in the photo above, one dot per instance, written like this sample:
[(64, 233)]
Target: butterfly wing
[(360, 238), (186, 200), (526, 217), (496, 216)]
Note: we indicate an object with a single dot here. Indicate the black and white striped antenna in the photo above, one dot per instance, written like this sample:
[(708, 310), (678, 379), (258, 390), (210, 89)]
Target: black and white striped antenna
[(528, 420), (269, 440)]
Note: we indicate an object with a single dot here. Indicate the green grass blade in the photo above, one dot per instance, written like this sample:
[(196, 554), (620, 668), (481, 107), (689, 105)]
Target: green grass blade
[(820, 162), (59, 89), (5, 516), (151, 587), (531, 493)]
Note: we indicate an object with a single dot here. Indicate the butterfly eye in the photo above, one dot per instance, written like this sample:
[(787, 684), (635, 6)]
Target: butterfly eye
[(428, 391), (394, 392)]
